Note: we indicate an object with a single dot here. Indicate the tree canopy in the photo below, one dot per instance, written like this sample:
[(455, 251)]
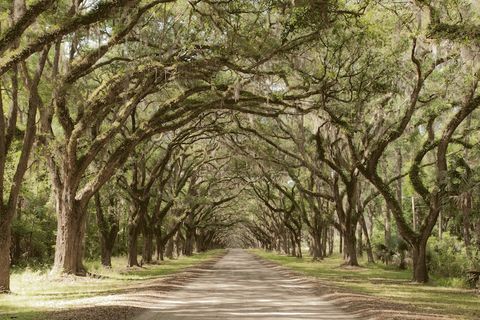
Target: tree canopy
[(166, 127)]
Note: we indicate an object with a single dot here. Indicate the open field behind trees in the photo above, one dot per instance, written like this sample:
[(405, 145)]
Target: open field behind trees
[(135, 133)]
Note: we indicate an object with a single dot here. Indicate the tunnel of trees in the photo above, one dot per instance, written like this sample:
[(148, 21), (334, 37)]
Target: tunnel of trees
[(153, 129)]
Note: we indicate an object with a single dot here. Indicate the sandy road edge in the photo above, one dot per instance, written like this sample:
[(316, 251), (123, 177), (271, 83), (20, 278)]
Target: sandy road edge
[(162, 284)]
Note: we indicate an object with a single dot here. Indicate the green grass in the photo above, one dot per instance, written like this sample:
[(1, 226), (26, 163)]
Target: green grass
[(35, 292), (386, 282)]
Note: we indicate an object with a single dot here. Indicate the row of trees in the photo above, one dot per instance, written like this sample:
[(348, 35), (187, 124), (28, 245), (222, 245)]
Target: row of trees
[(111, 93), (394, 130), (162, 119)]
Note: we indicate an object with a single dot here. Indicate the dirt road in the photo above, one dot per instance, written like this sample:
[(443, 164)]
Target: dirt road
[(240, 287)]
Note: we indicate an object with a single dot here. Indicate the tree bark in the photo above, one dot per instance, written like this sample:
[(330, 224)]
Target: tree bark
[(106, 254), (107, 232), (5, 240), (189, 241), (70, 234), (147, 252), (420, 271), (316, 246), (367, 239), (340, 242), (160, 246), (350, 247), (132, 244), (359, 240), (331, 241)]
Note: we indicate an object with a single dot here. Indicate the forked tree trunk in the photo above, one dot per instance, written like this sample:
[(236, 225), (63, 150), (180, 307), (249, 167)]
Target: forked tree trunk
[(69, 247), (5, 241)]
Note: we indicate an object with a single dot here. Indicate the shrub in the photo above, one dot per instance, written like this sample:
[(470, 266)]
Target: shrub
[(448, 257)]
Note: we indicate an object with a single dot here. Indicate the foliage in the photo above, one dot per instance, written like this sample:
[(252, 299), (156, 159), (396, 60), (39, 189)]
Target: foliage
[(448, 257)]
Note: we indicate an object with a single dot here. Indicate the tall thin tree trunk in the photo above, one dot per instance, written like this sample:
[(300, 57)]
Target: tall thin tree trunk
[(367, 239), (414, 215), (388, 227), (359, 240), (5, 239), (466, 210), (340, 242), (440, 228)]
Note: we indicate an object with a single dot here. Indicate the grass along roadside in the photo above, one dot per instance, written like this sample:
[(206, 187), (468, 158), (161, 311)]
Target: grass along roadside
[(387, 284), (35, 292)]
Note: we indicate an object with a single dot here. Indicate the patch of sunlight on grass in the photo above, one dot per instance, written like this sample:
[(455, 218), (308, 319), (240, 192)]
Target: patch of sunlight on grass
[(34, 292), (386, 282)]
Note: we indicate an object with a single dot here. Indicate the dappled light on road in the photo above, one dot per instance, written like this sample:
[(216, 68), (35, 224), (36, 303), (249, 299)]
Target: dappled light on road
[(239, 287)]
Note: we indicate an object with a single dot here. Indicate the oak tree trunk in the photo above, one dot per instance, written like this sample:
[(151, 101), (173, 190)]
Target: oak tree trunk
[(420, 271), (189, 241), (132, 244), (316, 246), (106, 252), (350, 247), (71, 224), (147, 253)]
